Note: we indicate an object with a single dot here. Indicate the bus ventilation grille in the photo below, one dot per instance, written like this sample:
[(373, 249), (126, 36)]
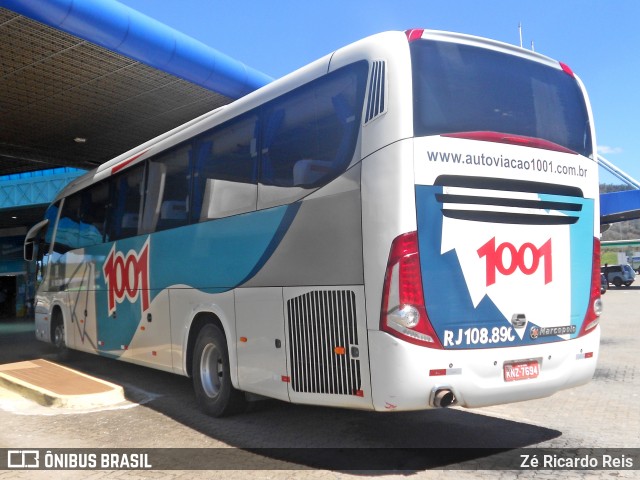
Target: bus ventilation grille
[(324, 343), (376, 101), (482, 199)]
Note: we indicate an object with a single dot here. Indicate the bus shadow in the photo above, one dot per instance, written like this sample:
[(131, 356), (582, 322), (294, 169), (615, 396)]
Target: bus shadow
[(613, 288), (347, 440), (278, 435), (282, 436)]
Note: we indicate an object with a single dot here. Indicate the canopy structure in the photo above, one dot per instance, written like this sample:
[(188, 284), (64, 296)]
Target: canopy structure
[(84, 80)]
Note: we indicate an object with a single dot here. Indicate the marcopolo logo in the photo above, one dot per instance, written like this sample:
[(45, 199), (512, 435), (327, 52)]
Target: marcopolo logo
[(552, 331), (127, 277), (527, 258)]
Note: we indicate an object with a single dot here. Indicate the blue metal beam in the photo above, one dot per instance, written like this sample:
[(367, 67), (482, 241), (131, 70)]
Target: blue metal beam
[(619, 206), (616, 172), (37, 188), (122, 29)]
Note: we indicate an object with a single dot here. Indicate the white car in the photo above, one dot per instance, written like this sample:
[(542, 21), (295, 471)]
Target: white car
[(619, 274)]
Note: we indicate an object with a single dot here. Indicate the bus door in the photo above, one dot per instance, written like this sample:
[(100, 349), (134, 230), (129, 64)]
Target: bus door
[(81, 291)]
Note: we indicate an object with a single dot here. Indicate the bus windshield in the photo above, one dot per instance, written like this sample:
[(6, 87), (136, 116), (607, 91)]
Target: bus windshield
[(462, 88)]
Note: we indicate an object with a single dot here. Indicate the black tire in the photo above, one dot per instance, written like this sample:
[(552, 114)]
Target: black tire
[(617, 282), (215, 394), (57, 336)]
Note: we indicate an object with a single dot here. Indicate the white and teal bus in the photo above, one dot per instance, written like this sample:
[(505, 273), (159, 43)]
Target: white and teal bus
[(409, 222)]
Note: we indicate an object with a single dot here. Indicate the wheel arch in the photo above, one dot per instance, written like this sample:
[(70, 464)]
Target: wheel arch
[(211, 373), (199, 321), (56, 310), (211, 317)]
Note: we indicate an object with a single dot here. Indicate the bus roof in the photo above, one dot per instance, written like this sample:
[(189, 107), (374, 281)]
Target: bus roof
[(279, 87)]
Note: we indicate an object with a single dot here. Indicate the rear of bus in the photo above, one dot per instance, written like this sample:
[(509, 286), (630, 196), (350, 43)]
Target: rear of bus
[(494, 296)]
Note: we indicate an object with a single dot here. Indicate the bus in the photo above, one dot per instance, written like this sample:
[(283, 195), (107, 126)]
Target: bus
[(410, 222)]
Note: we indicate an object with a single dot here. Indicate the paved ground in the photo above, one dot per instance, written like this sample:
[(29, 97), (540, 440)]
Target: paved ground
[(161, 413)]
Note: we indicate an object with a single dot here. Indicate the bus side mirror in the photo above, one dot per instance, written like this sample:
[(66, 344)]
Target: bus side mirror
[(30, 240), (29, 249)]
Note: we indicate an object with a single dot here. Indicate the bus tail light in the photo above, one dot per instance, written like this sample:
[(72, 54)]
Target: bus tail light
[(594, 309), (414, 34), (403, 312), (566, 69), (519, 140)]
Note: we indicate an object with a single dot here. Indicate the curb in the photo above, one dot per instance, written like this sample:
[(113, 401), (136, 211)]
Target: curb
[(75, 389)]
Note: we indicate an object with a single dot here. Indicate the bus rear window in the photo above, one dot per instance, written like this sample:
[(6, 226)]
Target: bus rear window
[(462, 88)]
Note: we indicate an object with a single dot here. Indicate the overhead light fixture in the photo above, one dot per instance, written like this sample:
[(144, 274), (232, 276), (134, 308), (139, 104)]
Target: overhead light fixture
[(80, 140)]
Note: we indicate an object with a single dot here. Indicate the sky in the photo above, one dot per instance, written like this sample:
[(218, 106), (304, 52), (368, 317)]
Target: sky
[(596, 38)]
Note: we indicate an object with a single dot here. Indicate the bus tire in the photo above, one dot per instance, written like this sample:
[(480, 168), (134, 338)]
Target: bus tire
[(215, 394), (57, 336)]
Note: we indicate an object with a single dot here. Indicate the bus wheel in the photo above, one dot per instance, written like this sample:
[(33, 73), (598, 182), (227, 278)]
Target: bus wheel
[(57, 324), (215, 394)]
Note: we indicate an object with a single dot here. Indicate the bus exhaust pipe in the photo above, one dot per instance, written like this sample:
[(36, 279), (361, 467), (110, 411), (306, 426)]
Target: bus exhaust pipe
[(444, 398)]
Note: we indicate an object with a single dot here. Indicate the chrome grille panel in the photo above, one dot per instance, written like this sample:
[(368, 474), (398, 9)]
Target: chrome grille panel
[(323, 340)]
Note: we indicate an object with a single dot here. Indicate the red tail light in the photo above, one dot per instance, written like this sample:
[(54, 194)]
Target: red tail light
[(403, 312), (566, 69), (414, 34), (592, 317), (520, 140)]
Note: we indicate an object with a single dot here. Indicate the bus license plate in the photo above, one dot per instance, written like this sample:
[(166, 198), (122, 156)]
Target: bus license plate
[(522, 370)]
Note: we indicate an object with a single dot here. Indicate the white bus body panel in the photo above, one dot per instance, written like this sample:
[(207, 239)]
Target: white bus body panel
[(262, 361), (401, 372), (151, 345), (388, 210)]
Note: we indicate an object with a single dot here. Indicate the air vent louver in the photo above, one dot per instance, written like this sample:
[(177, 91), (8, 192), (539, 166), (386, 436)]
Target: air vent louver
[(377, 84), (323, 338)]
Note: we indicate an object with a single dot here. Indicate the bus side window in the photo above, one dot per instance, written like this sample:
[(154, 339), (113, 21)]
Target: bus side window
[(225, 179), (68, 231), (52, 215), (93, 214), (126, 200), (168, 190), (43, 254), (309, 136)]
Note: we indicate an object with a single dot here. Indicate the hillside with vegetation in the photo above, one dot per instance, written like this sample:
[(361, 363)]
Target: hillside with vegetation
[(629, 230), (622, 230)]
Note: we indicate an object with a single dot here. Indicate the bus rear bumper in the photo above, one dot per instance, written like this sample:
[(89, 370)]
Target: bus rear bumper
[(408, 377)]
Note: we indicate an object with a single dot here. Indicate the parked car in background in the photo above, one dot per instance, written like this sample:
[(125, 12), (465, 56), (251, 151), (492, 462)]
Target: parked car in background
[(619, 274)]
